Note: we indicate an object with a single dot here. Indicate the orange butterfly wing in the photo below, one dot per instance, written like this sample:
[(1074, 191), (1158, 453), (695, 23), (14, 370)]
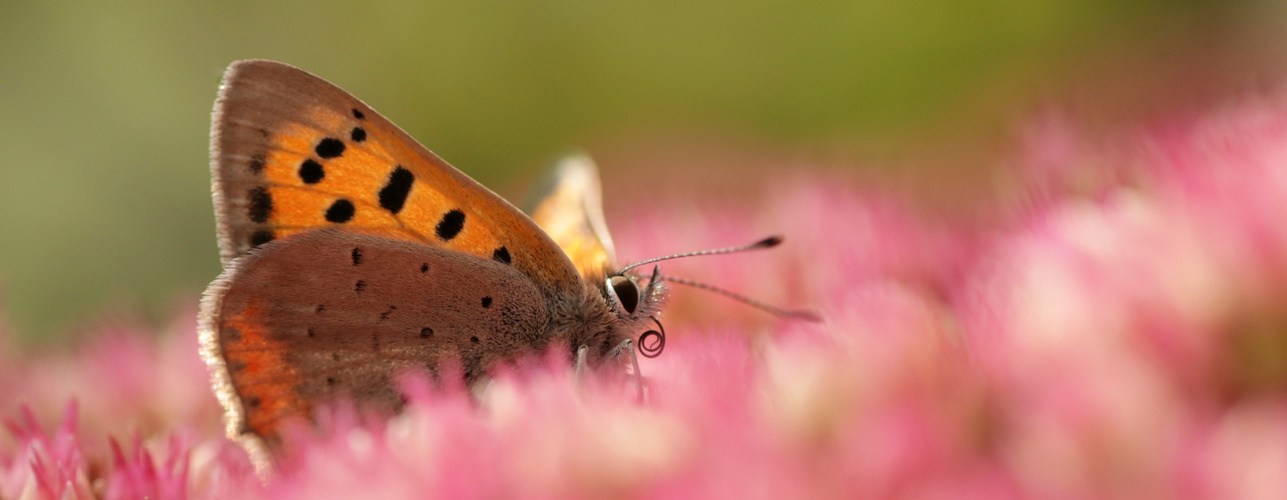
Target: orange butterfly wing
[(568, 206), (292, 152)]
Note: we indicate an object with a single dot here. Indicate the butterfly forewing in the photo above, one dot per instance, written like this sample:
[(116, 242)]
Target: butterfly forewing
[(292, 152), (333, 315), (569, 208)]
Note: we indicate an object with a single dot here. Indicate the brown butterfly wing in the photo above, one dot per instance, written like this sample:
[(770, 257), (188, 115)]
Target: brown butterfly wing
[(330, 314), (292, 152)]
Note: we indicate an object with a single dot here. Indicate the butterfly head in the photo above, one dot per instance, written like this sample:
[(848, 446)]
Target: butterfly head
[(636, 303), (636, 307)]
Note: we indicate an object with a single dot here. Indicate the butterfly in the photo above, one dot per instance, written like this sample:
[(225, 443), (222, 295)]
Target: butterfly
[(352, 254)]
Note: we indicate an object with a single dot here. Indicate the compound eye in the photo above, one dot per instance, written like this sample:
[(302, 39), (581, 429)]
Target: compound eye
[(626, 291)]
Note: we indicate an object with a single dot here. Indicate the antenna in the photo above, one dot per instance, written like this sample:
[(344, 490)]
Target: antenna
[(803, 314), (769, 242)]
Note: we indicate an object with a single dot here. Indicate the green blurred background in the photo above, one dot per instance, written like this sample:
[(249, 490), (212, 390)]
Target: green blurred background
[(104, 106)]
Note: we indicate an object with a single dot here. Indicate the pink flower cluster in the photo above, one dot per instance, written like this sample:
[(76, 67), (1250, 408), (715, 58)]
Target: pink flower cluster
[(1114, 326)]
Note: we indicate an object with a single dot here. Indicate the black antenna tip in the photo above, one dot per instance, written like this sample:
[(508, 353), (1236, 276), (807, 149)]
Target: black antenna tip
[(769, 242)]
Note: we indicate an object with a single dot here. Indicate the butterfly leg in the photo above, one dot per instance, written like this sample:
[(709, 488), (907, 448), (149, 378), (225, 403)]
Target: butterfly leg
[(581, 354), (639, 378), (478, 389), (628, 346), (640, 382)]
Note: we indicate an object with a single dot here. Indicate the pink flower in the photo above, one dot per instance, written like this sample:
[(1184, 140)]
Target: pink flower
[(45, 465), (1109, 327)]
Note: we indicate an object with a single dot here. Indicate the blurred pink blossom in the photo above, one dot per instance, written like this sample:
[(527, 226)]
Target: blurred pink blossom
[(1110, 325)]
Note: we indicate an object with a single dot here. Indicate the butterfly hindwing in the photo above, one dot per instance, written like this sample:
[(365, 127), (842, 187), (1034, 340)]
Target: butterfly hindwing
[(334, 314), (292, 152)]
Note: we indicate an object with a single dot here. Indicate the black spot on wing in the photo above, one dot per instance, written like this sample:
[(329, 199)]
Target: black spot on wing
[(451, 224), (501, 255), (311, 172), (260, 237), (340, 212), (358, 114), (357, 255), (261, 204), (230, 334), (424, 268), (357, 134), (487, 302), (426, 332), (359, 286), (257, 163), (394, 193), (474, 339), (329, 148)]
